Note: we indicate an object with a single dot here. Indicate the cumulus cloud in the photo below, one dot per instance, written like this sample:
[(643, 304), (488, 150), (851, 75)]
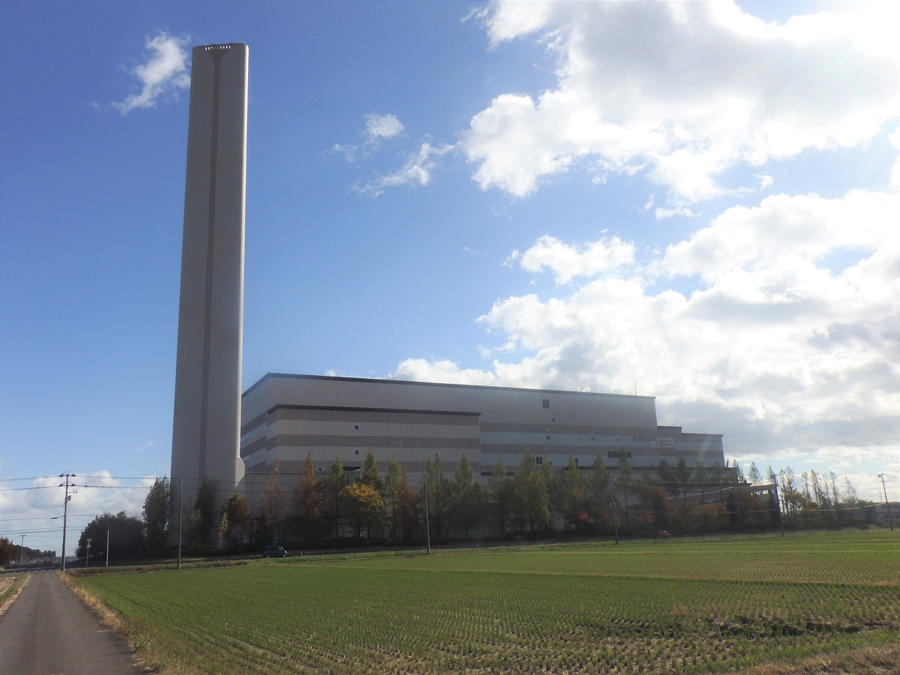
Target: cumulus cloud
[(165, 71), (567, 261), (786, 354), (382, 126), (685, 90), (416, 170), (36, 509)]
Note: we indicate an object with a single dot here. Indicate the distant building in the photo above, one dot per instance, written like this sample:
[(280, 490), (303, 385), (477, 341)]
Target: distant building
[(285, 417)]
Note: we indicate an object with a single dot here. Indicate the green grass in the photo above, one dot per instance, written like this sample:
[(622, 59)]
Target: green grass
[(9, 585), (702, 605)]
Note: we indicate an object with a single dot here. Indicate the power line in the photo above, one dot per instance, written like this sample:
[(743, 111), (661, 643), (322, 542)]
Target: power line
[(89, 476), (9, 520), (18, 532), (117, 487), (33, 487)]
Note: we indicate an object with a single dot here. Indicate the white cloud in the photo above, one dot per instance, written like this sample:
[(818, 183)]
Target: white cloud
[(382, 126), (165, 71), (416, 170), (377, 128), (37, 510), (662, 212), (441, 371), (348, 151), (567, 261), (687, 89), (789, 355), (785, 233), (895, 169)]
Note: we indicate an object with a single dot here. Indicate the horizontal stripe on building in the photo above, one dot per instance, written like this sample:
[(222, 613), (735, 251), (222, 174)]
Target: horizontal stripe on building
[(362, 442), (640, 434), (362, 415)]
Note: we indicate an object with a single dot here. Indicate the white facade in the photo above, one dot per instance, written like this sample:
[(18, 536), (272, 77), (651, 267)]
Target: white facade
[(286, 417)]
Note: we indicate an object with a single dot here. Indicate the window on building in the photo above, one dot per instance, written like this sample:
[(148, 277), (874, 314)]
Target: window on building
[(356, 452), (539, 459), (546, 403), (355, 427), (619, 453)]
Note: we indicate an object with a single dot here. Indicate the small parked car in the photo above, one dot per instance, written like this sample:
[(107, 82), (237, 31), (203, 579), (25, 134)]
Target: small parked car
[(274, 551)]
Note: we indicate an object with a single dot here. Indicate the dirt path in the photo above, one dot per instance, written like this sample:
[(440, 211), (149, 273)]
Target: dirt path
[(48, 630)]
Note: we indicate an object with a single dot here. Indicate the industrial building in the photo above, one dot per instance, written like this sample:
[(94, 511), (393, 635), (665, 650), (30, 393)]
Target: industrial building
[(286, 417), (219, 434)]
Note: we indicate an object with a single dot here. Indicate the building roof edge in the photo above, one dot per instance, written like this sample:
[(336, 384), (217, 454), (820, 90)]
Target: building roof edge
[(434, 384)]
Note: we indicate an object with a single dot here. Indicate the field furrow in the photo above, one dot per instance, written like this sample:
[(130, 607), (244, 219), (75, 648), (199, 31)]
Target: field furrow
[(707, 606)]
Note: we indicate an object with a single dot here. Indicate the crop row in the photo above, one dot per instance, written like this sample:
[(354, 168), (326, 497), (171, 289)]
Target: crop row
[(415, 617)]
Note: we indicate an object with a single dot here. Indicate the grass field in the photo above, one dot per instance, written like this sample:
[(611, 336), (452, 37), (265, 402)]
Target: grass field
[(9, 587), (700, 605), (9, 584)]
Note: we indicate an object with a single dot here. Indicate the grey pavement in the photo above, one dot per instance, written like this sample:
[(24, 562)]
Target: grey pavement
[(48, 630)]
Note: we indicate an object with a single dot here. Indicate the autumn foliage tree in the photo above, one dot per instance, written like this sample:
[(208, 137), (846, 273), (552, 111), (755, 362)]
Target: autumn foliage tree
[(332, 486), (272, 515), (204, 516), (308, 503), (436, 488), (363, 507), (503, 497), (6, 551), (239, 519), (587, 498), (407, 509), (466, 502), (571, 496), (532, 495)]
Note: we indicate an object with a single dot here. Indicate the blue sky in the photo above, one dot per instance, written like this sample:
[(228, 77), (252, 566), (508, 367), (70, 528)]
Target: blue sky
[(697, 201)]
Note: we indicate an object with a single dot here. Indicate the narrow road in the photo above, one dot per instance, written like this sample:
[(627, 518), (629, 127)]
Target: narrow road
[(47, 630)]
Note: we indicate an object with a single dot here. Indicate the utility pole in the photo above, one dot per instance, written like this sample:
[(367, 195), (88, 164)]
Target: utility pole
[(180, 494), (22, 550), (65, 513), (427, 521), (87, 552), (107, 545), (616, 517), (887, 504)]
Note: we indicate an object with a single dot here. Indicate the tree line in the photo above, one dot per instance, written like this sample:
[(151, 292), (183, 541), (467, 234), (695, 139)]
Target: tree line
[(530, 500), (364, 506)]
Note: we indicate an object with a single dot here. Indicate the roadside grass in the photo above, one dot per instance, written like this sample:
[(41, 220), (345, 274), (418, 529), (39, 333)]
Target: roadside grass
[(10, 587), (688, 606)]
